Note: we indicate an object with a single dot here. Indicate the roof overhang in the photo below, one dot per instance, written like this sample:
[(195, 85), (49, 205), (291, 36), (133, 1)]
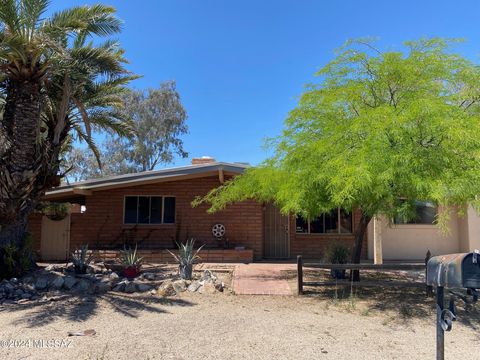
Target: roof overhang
[(86, 188)]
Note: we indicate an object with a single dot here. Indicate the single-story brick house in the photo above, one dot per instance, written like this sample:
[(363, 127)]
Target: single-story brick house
[(153, 209)]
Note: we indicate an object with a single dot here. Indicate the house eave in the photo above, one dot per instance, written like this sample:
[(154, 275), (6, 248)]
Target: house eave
[(86, 188)]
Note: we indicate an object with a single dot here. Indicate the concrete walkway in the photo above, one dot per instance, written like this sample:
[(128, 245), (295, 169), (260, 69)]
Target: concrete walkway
[(261, 279)]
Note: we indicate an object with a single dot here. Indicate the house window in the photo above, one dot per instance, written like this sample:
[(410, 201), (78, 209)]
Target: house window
[(149, 210), (335, 222), (425, 213)]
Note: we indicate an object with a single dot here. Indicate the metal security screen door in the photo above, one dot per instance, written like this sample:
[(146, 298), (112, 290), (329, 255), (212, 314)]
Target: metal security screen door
[(276, 234)]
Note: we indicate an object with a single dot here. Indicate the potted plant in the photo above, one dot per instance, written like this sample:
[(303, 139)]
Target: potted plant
[(55, 211), (81, 259), (337, 253), (186, 257), (131, 262)]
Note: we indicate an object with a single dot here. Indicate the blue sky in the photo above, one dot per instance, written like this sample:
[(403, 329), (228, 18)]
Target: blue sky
[(241, 65)]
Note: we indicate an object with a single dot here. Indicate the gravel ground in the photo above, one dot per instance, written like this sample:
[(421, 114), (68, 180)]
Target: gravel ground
[(225, 326)]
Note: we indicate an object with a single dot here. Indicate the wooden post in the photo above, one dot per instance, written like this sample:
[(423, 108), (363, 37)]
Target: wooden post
[(299, 275), (429, 289)]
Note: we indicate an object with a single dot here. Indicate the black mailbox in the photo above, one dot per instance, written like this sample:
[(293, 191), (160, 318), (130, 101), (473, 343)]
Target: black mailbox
[(454, 271)]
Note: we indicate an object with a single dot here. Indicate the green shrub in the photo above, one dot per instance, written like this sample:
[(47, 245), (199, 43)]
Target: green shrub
[(14, 260), (54, 211), (337, 253)]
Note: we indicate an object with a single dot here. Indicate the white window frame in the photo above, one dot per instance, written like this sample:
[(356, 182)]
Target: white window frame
[(149, 209)]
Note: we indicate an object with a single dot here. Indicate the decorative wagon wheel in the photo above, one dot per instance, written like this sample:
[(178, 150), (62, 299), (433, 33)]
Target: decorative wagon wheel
[(218, 230)]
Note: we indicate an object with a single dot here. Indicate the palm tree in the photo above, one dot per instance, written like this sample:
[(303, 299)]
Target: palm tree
[(54, 86)]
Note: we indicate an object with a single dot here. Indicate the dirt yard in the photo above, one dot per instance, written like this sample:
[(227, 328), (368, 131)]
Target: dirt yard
[(377, 324)]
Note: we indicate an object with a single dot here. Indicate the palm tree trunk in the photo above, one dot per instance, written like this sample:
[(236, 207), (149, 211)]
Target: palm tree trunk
[(21, 163), (360, 232)]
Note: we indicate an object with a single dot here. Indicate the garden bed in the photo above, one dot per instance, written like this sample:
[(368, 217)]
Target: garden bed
[(163, 256)]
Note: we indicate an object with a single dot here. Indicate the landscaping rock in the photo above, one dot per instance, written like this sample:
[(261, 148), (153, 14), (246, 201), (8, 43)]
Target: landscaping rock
[(208, 277), (120, 287), (179, 286), (82, 286), (14, 280), (207, 288), (69, 282), (6, 286), (113, 276), (28, 279), (58, 282), (148, 276), (166, 289), (143, 287), (41, 283), (130, 287), (95, 268), (219, 286), (194, 286), (26, 295), (90, 277), (102, 286)]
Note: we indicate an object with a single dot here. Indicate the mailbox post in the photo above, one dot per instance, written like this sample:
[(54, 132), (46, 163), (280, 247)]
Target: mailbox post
[(453, 271)]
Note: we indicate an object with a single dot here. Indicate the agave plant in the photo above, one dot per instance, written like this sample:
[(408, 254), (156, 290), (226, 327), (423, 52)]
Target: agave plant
[(81, 259), (130, 258), (131, 262), (186, 257)]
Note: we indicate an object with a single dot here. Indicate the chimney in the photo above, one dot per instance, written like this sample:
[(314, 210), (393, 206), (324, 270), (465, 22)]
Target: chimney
[(203, 160)]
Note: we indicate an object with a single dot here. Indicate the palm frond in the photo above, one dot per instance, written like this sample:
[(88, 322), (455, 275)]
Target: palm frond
[(92, 20), (30, 13), (107, 62), (82, 136), (9, 16)]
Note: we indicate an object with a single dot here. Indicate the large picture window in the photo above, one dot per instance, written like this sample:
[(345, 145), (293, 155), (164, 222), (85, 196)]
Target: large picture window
[(425, 213), (149, 210), (335, 222)]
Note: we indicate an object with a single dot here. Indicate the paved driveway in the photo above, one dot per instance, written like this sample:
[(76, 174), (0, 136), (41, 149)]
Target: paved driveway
[(261, 279)]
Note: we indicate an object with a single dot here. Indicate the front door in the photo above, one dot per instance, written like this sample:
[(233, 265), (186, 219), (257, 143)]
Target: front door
[(276, 234), (55, 239)]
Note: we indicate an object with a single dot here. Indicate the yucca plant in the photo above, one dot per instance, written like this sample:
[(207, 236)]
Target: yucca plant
[(81, 259), (131, 262), (186, 257)]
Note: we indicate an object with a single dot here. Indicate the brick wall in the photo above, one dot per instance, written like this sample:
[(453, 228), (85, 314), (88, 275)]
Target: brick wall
[(312, 246), (102, 223)]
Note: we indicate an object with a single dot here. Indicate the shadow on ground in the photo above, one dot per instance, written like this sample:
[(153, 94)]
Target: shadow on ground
[(83, 307), (403, 301)]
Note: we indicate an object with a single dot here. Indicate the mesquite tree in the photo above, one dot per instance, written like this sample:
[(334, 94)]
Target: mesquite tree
[(54, 85), (379, 131)]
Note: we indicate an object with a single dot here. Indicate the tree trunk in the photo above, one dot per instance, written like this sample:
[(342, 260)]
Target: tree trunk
[(20, 163), (360, 231)]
